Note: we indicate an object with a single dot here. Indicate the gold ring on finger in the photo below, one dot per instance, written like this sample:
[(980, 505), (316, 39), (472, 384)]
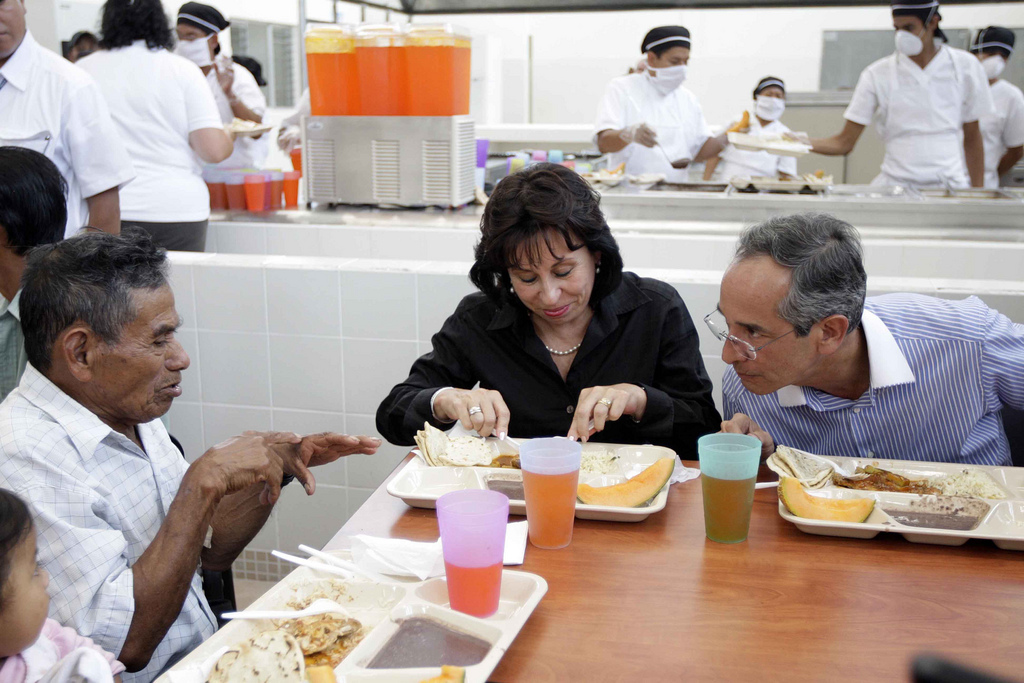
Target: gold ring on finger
[(606, 401)]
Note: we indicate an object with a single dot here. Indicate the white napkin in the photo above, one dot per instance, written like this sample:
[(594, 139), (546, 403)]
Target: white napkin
[(681, 473), (398, 557)]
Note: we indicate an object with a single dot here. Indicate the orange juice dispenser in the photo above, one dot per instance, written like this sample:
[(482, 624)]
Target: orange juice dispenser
[(331, 65), (438, 58), (381, 66)]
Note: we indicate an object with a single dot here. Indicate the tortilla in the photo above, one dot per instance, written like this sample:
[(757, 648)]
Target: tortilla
[(441, 450), (270, 657), (813, 472)]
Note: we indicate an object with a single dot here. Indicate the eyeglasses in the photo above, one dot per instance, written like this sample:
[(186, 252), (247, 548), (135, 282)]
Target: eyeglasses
[(716, 323)]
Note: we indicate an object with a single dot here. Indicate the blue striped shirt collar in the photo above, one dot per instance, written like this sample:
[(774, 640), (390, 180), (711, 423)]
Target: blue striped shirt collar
[(889, 366)]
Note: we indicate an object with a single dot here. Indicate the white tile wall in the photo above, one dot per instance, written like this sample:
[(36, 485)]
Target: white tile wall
[(303, 301), (313, 344)]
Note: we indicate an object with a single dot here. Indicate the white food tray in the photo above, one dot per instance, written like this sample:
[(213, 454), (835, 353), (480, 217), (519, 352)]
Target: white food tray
[(754, 143), (381, 606), (248, 132), (777, 184), (1003, 524), (420, 485)]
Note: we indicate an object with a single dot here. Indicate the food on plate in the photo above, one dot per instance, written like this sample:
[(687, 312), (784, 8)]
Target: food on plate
[(320, 674), (618, 170), (632, 493), (817, 178), (811, 470), (951, 513), (270, 657), (796, 499), (423, 641), (439, 450), (449, 674), (969, 483), (878, 479), (599, 462), (741, 125), (320, 631)]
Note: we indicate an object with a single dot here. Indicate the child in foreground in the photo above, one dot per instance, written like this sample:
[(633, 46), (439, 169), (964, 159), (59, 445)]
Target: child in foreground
[(32, 647)]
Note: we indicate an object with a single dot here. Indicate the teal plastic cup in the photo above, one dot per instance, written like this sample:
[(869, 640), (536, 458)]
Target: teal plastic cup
[(728, 468)]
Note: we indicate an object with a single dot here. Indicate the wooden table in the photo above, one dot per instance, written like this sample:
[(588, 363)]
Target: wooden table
[(657, 601)]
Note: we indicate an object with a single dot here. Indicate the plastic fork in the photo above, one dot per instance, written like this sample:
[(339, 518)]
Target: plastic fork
[(321, 606), (344, 564)]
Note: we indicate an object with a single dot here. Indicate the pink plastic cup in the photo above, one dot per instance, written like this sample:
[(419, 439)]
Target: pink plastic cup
[(472, 525)]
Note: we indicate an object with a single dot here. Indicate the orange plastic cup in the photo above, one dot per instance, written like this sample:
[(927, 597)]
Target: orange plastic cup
[(276, 189), (331, 65), (255, 192), (296, 155), (290, 185), (218, 195), (438, 67), (382, 70), (234, 188)]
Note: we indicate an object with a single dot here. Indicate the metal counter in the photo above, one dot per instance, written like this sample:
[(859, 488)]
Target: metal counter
[(709, 212)]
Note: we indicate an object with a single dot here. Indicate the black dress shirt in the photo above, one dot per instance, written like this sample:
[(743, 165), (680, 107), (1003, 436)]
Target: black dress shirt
[(640, 334)]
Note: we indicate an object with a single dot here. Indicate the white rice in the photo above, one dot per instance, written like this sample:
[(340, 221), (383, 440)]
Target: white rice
[(969, 483), (599, 462)]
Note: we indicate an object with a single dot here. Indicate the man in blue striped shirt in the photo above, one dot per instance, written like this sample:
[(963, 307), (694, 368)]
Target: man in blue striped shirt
[(817, 367)]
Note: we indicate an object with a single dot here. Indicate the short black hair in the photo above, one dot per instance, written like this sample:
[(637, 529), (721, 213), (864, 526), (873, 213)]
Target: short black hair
[(15, 525), (125, 21), (33, 204), (527, 205), (87, 278)]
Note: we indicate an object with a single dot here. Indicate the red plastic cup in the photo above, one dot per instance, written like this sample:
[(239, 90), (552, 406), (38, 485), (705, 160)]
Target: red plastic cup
[(255, 192), (290, 185), (234, 188), (472, 524), (296, 155)]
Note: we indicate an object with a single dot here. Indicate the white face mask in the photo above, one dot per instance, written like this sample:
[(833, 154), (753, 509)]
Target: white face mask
[(769, 108), (667, 79), (196, 51), (908, 44), (994, 66)]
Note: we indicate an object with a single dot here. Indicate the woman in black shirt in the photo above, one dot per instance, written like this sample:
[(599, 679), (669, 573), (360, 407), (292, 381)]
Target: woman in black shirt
[(559, 340)]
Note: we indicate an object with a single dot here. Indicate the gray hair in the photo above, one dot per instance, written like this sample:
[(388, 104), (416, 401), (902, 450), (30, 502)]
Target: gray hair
[(88, 278), (825, 257)]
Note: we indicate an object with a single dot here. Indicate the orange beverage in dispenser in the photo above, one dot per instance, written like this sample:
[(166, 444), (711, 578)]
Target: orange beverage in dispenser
[(438, 58), (474, 590), (331, 66), (553, 496), (382, 73)]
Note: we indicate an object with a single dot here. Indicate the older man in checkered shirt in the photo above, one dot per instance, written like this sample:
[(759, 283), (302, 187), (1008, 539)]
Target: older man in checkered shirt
[(123, 520)]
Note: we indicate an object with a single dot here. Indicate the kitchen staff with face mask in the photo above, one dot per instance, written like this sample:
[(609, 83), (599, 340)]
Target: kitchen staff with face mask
[(234, 87), (649, 120), (1002, 129), (922, 98), (762, 121)]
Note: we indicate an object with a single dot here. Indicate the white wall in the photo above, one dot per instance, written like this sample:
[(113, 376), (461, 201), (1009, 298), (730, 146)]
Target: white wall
[(575, 54)]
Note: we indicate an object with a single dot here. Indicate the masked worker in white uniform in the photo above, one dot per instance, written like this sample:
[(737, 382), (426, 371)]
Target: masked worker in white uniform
[(1002, 129), (648, 120), (762, 120), (924, 99), (234, 87)]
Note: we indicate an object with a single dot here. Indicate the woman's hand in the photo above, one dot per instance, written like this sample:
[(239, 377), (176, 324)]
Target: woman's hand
[(606, 404), (482, 410)]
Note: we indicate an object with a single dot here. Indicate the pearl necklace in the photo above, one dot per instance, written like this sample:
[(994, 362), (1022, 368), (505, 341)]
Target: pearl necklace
[(563, 353)]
